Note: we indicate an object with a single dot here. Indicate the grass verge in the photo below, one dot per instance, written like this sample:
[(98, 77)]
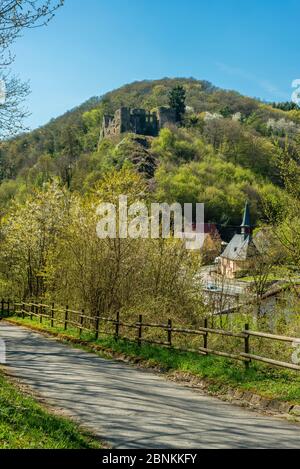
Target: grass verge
[(26, 424), (221, 373)]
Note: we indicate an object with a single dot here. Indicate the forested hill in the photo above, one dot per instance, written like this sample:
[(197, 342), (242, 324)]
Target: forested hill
[(228, 149)]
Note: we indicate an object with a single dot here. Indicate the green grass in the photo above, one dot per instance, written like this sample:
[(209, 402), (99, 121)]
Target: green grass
[(270, 382), (24, 423)]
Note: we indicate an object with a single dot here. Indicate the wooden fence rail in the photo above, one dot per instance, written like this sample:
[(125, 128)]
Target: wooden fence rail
[(66, 317)]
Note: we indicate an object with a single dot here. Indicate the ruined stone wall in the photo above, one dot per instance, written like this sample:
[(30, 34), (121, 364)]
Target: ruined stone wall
[(122, 120), (151, 124), (137, 121), (165, 115)]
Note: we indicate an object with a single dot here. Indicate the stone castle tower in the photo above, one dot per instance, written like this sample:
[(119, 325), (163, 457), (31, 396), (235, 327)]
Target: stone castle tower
[(137, 121)]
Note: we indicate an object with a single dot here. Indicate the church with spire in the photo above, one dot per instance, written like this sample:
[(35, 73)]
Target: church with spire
[(234, 259)]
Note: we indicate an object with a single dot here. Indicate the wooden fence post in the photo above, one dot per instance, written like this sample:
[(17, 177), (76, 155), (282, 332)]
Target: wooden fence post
[(52, 316), (66, 317), (170, 332), (205, 336), (23, 307), (2, 307), (117, 323), (81, 322), (246, 345), (41, 313), (140, 330), (31, 311), (97, 326), (8, 306)]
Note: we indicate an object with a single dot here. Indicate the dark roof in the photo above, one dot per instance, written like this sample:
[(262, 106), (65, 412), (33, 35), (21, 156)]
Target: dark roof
[(240, 248)]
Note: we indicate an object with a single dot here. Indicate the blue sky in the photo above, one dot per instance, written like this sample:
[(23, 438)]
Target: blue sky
[(93, 46)]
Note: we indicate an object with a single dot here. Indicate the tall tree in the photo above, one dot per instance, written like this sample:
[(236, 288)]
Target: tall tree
[(177, 98)]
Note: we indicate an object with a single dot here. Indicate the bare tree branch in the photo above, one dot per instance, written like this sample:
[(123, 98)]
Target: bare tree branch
[(12, 109), (15, 17)]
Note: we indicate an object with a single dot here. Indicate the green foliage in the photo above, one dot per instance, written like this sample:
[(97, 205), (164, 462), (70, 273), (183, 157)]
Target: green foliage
[(177, 97), (50, 249), (283, 215), (236, 165), (179, 146), (286, 106), (28, 233), (8, 190), (68, 148), (224, 152), (196, 182)]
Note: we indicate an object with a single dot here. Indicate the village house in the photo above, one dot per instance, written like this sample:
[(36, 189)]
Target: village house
[(234, 259)]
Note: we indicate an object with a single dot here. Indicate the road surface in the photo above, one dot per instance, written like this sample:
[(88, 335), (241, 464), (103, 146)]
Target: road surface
[(130, 408)]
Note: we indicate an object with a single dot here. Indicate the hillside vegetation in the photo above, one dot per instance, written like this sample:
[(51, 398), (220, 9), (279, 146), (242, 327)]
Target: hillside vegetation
[(228, 148), (228, 141)]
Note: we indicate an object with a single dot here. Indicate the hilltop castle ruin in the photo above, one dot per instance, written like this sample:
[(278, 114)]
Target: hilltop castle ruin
[(138, 121)]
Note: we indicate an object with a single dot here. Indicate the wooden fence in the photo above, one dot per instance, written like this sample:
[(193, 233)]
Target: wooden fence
[(66, 317), (7, 308)]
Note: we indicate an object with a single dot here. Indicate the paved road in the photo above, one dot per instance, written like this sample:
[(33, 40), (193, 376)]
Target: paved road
[(130, 408)]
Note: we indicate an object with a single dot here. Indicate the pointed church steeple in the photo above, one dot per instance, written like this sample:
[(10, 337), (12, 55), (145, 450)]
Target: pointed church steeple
[(246, 224)]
